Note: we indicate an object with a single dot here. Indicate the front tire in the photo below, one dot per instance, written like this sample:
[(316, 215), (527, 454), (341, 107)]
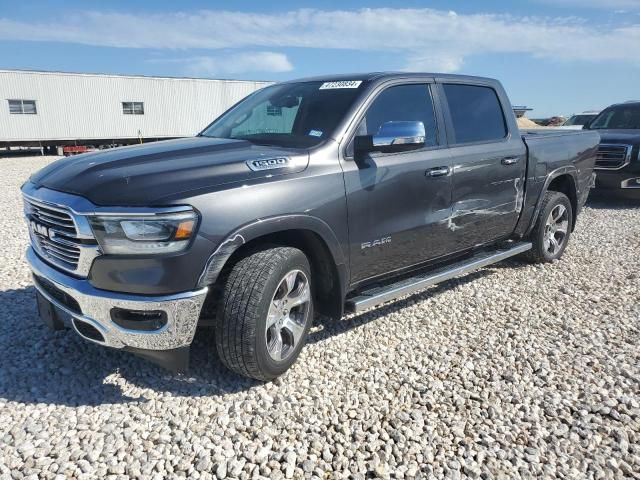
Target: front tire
[(265, 313), (551, 233)]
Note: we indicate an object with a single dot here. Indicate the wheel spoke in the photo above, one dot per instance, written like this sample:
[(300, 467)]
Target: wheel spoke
[(554, 244), (558, 212), (275, 345), (274, 313), (563, 226), (290, 279), (295, 328), (300, 296)]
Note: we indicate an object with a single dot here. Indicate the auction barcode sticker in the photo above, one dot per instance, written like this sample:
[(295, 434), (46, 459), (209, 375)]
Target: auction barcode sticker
[(342, 84)]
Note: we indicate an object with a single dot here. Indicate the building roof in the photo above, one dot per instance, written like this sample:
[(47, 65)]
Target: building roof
[(122, 75)]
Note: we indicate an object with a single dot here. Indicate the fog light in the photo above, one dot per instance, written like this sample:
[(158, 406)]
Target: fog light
[(141, 320)]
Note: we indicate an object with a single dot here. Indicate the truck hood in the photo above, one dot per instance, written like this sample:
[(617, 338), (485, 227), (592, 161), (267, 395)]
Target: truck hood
[(147, 174), (631, 137)]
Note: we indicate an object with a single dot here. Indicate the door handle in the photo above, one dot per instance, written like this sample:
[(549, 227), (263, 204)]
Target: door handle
[(438, 172), (509, 160)]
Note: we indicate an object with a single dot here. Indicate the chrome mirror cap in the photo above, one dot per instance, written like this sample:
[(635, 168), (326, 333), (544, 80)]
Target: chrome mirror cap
[(400, 133)]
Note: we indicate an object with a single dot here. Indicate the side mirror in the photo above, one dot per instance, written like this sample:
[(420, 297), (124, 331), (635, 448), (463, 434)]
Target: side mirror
[(392, 137)]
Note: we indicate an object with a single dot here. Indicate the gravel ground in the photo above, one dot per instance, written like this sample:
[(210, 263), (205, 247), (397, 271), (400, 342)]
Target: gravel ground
[(516, 371)]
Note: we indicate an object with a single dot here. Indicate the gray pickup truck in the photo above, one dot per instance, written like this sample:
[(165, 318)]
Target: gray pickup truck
[(328, 194)]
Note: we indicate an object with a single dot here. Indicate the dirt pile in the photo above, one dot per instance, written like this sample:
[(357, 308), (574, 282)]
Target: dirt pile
[(524, 122)]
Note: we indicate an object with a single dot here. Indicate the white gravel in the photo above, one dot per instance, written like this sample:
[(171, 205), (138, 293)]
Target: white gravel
[(516, 371)]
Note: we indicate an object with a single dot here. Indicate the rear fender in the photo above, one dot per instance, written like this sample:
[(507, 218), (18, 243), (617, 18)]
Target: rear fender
[(566, 170)]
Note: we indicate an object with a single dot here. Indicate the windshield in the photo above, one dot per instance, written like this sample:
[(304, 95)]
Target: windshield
[(298, 115), (579, 120), (624, 117)]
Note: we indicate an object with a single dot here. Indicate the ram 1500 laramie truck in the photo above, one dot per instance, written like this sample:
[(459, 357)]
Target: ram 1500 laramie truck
[(618, 161), (324, 195)]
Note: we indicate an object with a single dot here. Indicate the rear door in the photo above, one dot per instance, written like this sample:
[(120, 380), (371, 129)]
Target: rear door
[(397, 211), (489, 164)]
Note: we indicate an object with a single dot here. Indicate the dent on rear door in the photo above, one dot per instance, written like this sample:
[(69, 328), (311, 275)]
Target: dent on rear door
[(488, 194)]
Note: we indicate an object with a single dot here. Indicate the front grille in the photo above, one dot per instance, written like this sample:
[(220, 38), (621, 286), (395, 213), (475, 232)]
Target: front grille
[(53, 234), (612, 156)]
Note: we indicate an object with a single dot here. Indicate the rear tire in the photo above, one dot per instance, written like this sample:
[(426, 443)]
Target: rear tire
[(265, 313), (552, 230)]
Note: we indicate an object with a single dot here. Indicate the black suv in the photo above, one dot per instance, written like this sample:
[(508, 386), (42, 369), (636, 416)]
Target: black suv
[(618, 162)]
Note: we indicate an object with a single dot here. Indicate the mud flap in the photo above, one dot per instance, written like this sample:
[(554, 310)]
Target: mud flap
[(49, 313), (176, 360)]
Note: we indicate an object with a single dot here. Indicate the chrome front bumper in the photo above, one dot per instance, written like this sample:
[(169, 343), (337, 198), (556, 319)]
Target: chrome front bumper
[(182, 310)]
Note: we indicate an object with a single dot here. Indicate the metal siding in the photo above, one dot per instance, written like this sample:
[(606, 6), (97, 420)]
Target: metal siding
[(78, 106)]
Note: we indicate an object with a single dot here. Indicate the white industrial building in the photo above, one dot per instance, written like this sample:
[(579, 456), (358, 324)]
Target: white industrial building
[(54, 108)]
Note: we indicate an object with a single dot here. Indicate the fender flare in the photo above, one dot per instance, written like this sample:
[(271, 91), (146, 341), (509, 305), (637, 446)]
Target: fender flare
[(566, 170), (266, 226)]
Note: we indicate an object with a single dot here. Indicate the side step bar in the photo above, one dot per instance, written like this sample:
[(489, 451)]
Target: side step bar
[(381, 294)]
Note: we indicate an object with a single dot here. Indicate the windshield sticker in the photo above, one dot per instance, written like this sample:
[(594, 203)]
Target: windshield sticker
[(315, 133), (342, 84)]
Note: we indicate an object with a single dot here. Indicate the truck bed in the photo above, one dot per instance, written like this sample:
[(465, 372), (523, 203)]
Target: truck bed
[(550, 132), (554, 151)]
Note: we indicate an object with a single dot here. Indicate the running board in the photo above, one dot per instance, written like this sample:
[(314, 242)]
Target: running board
[(377, 295)]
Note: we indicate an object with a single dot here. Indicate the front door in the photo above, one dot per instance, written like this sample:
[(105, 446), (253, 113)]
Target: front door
[(398, 209)]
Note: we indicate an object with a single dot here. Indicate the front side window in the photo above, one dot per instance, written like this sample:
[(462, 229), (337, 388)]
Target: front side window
[(476, 113), (297, 115), (401, 103), (24, 107), (133, 108), (622, 117)]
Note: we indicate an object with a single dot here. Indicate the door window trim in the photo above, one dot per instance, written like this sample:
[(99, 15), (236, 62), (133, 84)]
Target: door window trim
[(430, 83)]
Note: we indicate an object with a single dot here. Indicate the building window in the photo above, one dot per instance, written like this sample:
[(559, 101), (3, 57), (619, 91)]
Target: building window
[(133, 108), (20, 107)]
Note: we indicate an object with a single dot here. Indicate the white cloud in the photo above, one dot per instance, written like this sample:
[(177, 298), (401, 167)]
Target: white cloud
[(600, 4), (425, 38), (231, 63), (434, 62)]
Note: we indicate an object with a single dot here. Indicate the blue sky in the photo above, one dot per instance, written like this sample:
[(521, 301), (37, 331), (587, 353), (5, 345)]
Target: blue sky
[(557, 56)]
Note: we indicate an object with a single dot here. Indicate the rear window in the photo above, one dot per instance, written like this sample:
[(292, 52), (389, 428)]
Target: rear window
[(476, 113)]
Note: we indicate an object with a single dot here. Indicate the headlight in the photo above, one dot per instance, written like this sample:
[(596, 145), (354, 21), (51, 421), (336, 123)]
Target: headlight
[(143, 235)]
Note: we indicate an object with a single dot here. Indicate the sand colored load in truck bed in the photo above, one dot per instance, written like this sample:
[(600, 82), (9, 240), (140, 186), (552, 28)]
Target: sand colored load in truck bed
[(524, 122)]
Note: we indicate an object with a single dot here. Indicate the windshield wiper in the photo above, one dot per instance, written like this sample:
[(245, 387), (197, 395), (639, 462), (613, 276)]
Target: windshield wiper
[(256, 142)]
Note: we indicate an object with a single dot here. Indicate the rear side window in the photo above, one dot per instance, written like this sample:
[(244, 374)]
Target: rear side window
[(476, 113), (401, 103)]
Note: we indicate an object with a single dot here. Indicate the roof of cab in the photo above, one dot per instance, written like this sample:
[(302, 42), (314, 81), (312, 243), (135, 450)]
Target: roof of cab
[(371, 76), (628, 103)]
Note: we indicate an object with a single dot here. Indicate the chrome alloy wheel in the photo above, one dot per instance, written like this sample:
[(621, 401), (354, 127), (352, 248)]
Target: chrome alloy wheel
[(288, 315), (556, 229)]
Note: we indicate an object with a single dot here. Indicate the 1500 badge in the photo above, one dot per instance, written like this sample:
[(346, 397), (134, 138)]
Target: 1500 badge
[(375, 243), (268, 164)]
